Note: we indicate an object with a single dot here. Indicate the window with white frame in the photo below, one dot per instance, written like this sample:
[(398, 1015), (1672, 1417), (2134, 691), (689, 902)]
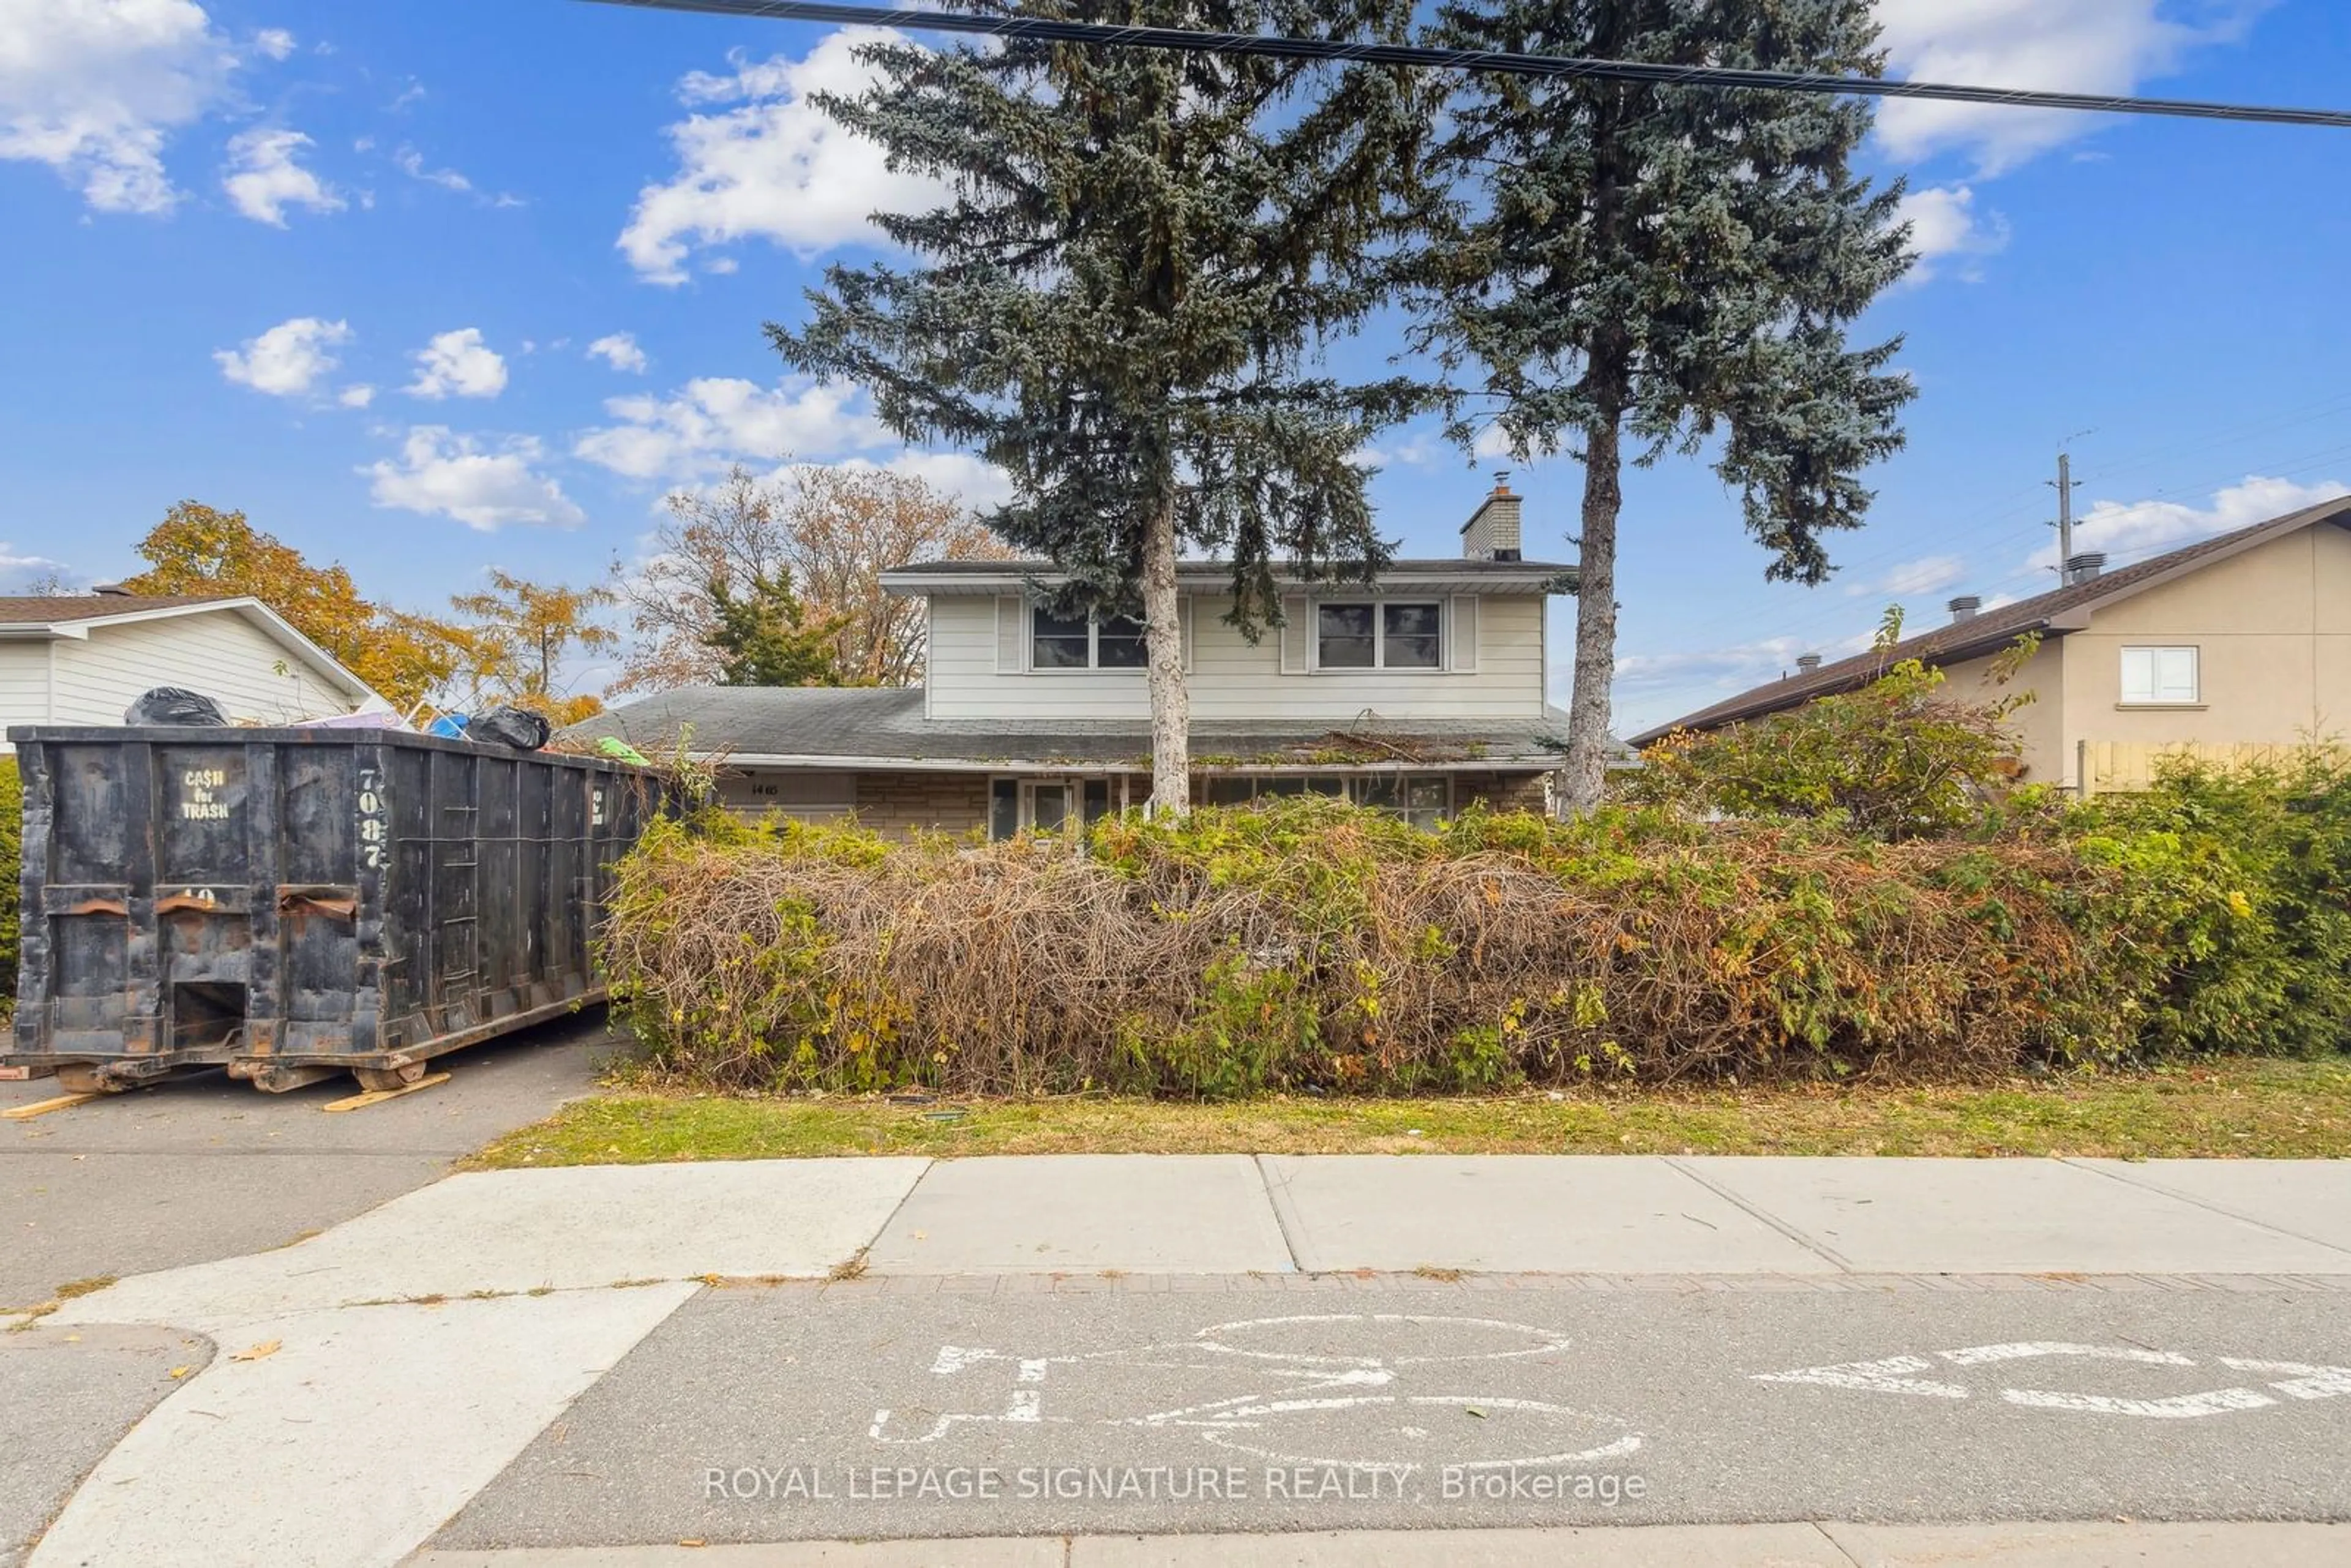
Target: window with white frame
[(1383, 636), (2160, 676), (1083, 641)]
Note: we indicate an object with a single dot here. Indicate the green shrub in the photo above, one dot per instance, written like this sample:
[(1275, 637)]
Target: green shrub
[(2235, 897), (12, 854), (1899, 759)]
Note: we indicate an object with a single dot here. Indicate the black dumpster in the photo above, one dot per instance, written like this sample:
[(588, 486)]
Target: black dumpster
[(295, 903)]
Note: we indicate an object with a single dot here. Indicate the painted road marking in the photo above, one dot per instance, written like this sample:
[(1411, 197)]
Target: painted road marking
[(1897, 1374), (1310, 1387)]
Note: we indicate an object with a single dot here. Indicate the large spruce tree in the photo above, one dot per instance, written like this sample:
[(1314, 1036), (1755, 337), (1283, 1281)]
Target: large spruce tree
[(1124, 301), (1675, 265)]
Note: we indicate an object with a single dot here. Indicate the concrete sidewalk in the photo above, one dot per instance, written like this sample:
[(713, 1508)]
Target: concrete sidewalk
[(454, 1324), (1825, 1545)]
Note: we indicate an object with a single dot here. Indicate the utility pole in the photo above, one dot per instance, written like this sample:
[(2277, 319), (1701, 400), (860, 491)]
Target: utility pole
[(2064, 483)]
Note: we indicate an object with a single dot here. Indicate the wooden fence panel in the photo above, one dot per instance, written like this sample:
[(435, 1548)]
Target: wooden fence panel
[(2109, 767)]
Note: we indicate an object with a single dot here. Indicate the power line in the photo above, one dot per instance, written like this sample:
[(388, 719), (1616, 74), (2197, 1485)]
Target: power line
[(1192, 40)]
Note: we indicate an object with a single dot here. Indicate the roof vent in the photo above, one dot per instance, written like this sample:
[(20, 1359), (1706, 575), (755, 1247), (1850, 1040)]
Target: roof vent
[(1492, 531), (1807, 662), (114, 590), (2086, 566), (1964, 607)]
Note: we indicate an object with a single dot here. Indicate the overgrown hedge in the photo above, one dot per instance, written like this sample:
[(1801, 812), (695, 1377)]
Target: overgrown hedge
[(1313, 945), (1763, 905)]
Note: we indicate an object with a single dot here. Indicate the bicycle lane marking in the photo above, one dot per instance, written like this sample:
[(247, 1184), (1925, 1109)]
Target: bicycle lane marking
[(1897, 1374)]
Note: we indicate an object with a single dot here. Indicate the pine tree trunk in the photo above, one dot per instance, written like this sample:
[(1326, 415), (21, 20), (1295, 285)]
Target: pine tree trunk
[(1163, 647), (1586, 768)]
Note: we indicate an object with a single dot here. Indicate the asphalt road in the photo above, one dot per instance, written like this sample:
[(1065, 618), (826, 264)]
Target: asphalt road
[(203, 1167), (800, 1412), (198, 1169)]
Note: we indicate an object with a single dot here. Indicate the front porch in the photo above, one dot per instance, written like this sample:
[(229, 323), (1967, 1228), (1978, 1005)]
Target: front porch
[(1000, 801)]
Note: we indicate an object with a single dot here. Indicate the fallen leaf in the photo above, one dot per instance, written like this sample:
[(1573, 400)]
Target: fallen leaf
[(1473, 1410), (178, 1372), (267, 1347), (694, 1541)]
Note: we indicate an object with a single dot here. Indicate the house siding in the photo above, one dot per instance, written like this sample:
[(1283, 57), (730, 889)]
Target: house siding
[(25, 682), (2271, 629), (218, 654), (2040, 725), (1235, 680)]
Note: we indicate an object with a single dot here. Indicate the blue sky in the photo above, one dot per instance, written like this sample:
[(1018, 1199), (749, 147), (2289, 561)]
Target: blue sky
[(435, 286)]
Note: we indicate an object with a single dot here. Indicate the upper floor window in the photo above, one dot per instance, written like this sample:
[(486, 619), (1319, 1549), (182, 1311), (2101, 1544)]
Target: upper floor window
[(1084, 642), (2160, 675), (1384, 636)]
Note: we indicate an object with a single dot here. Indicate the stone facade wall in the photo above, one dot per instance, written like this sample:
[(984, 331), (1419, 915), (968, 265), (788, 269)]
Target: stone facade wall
[(1503, 791), (896, 804)]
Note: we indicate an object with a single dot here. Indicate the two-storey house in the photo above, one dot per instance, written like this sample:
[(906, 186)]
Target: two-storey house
[(2238, 642), (1417, 694)]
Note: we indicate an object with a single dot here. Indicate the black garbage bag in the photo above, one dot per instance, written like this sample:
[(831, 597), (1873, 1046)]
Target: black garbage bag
[(516, 727), (169, 705)]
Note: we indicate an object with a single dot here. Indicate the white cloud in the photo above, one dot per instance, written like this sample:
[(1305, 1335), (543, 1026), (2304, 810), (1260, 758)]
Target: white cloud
[(1731, 668), (22, 571), (438, 472), (262, 179), (2071, 46), (1944, 224), (94, 88), (358, 396), (411, 163), (773, 168), (1924, 575), (275, 42), (980, 484), (1652, 688), (288, 360), (458, 364), (716, 420), (2133, 530), (1415, 449), (619, 350)]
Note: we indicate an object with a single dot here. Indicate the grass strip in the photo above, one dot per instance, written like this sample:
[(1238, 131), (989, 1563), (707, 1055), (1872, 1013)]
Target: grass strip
[(2240, 1108)]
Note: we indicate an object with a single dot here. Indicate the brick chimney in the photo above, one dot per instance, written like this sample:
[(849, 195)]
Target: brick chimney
[(1492, 531), (1964, 608)]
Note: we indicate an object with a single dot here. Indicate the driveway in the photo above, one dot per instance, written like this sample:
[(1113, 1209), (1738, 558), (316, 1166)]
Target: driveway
[(204, 1167)]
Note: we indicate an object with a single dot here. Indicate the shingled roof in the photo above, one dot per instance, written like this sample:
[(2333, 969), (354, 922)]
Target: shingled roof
[(48, 610), (2054, 613), (883, 727)]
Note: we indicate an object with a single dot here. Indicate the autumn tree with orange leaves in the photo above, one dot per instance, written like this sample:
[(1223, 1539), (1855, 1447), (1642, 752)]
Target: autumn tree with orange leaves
[(828, 535), (196, 550)]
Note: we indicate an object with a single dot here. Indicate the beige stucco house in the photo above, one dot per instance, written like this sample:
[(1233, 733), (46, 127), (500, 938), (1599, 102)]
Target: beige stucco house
[(1419, 696), (2243, 638)]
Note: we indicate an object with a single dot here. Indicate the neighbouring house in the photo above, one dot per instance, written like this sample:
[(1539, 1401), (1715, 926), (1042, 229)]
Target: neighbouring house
[(2239, 641), (1419, 696), (82, 659)]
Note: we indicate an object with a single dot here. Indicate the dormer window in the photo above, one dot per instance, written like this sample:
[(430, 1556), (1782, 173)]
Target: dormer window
[(1084, 642), (1384, 636)]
